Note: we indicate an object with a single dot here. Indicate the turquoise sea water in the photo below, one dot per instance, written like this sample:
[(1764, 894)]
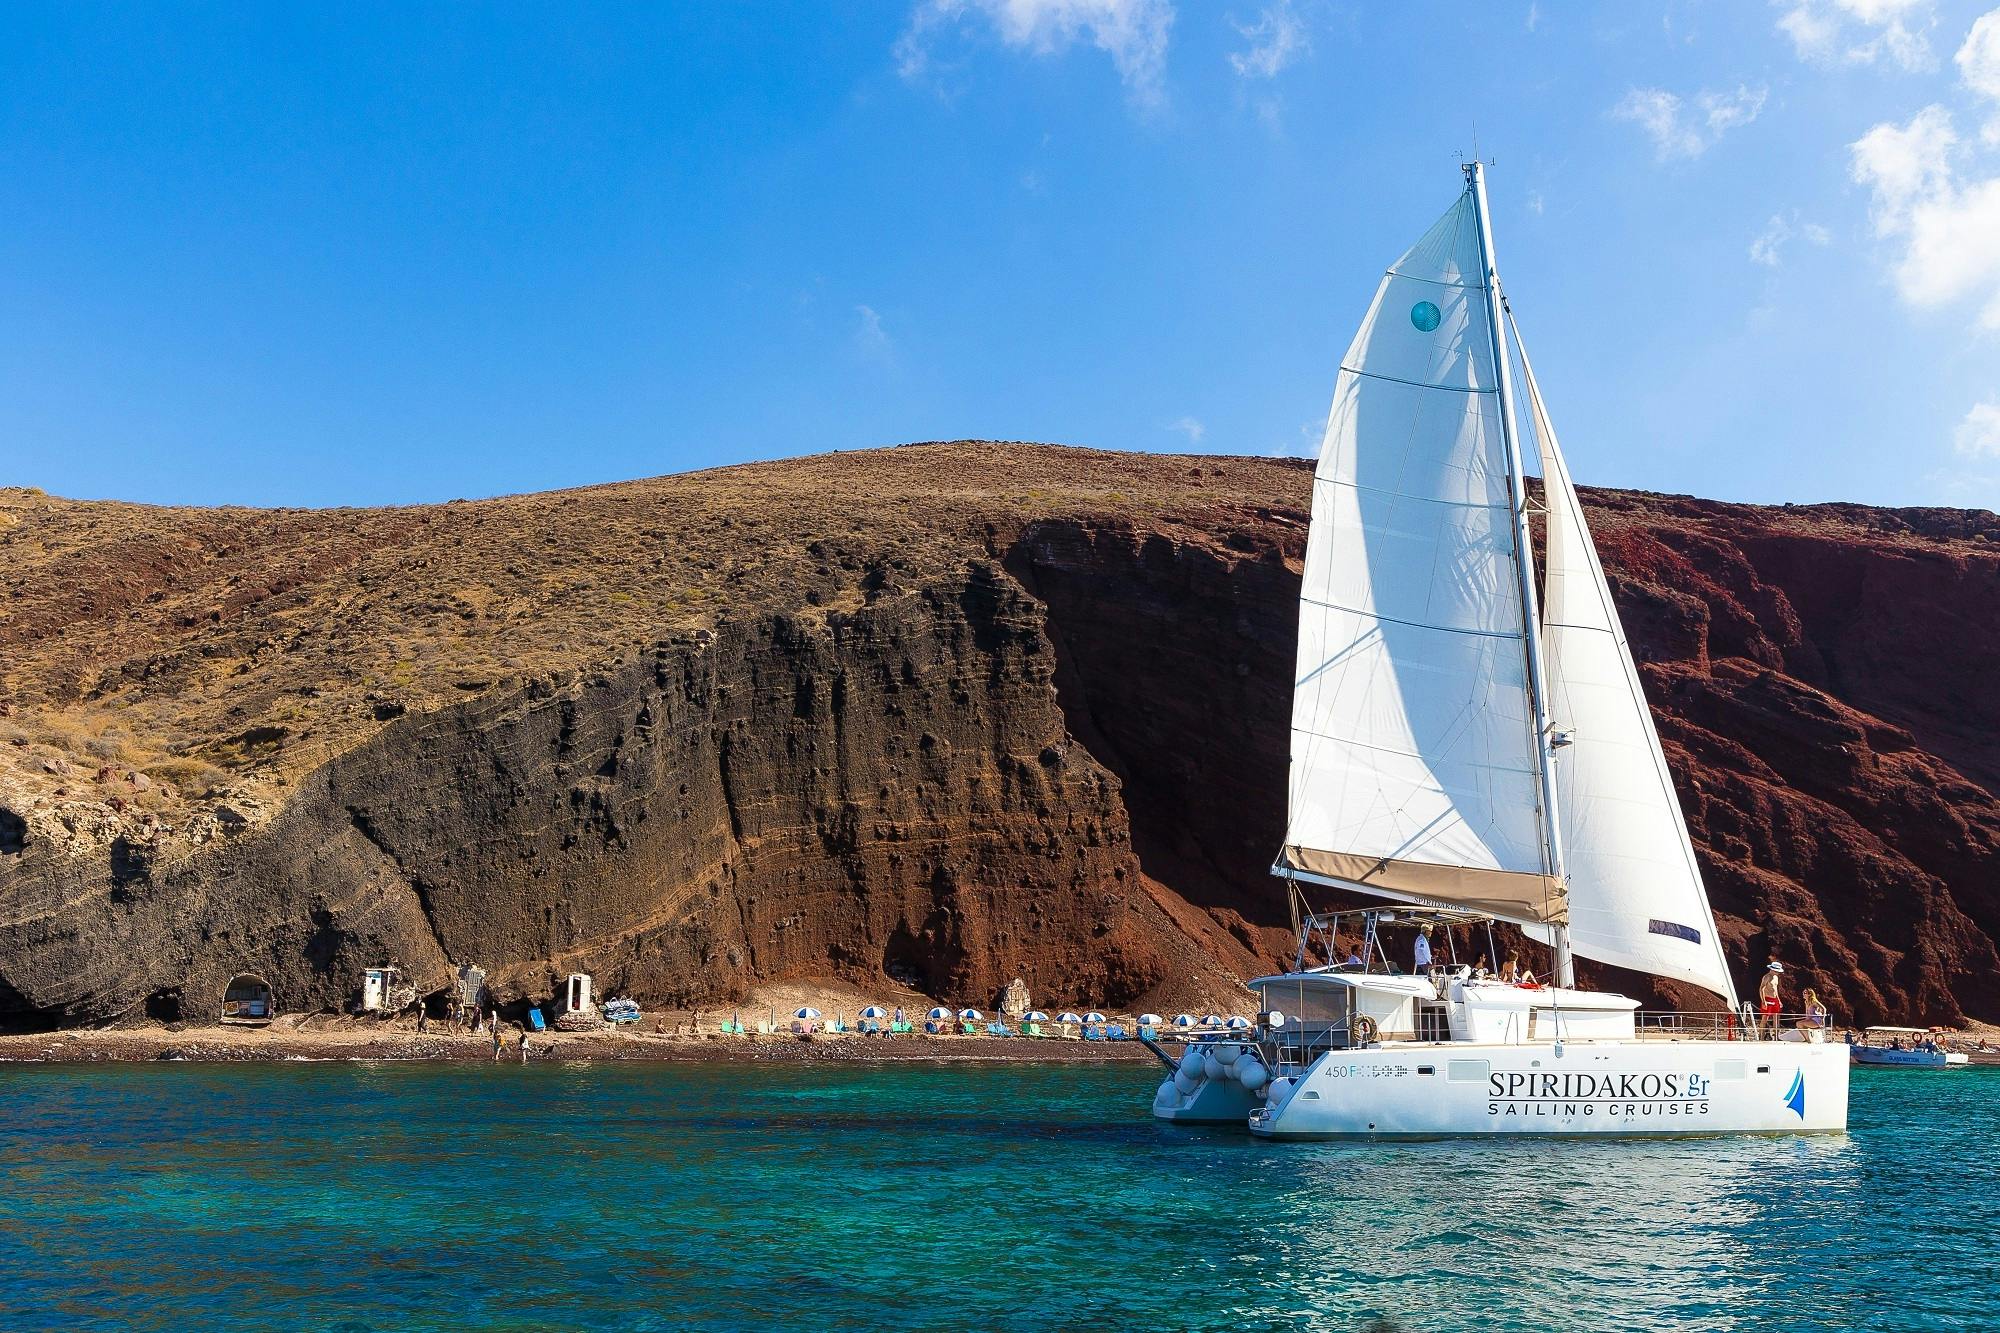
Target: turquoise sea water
[(418, 1196)]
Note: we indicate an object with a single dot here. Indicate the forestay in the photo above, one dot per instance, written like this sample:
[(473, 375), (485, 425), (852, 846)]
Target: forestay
[(1414, 760), (1635, 893)]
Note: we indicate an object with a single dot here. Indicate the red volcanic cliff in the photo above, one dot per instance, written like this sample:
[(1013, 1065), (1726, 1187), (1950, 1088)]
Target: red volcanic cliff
[(946, 713)]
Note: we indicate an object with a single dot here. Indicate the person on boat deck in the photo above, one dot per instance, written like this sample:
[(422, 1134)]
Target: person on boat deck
[(1422, 959), (1815, 1015), (1769, 1005), (1353, 959), (1510, 971)]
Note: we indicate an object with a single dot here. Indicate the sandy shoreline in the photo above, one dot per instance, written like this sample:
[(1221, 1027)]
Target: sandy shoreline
[(345, 1040)]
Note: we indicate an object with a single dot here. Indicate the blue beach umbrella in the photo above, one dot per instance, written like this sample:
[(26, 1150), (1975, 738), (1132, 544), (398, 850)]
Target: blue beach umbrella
[(1149, 1020), (805, 1012), (1237, 1023), (1034, 1016), (971, 1015), (874, 1011), (939, 1012), (1183, 1020), (1067, 1017), (1093, 1017), (1212, 1021)]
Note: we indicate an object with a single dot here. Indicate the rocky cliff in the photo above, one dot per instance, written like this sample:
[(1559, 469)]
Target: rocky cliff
[(946, 714)]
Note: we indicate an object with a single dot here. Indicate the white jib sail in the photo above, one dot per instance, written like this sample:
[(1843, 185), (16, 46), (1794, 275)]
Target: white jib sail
[(1414, 763), (1635, 893)]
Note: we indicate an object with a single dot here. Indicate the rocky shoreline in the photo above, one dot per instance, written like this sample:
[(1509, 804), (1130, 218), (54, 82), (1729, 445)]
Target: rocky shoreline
[(369, 1041)]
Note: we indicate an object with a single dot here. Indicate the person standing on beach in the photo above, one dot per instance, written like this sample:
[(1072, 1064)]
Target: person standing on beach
[(524, 1046), (423, 1020), (496, 1041)]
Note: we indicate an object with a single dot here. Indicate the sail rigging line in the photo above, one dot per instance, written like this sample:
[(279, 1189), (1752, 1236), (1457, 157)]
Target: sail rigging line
[(1524, 564)]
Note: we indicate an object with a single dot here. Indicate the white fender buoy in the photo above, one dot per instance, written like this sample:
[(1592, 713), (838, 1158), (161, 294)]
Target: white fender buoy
[(1169, 1096), (1187, 1082), (1250, 1072), (1211, 1066), (1228, 1053), (1191, 1061)]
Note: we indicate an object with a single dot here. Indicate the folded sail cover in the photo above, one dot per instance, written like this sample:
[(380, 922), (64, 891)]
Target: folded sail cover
[(1414, 763)]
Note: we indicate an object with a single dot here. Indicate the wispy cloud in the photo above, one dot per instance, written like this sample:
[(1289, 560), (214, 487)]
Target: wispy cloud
[(1133, 33), (1534, 17), (1189, 427), (1684, 131), (1768, 246), (1978, 62), (1860, 32), (1978, 436), (871, 340), (1277, 39)]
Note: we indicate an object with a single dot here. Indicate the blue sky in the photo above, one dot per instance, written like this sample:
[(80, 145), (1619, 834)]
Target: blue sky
[(373, 254)]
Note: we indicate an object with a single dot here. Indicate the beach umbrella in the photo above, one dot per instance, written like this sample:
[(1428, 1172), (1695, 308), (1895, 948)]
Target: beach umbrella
[(1212, 1021), (971, 1015), (1149, 1020), (1237, 1023), (939, 1012), (874, 1011), (1067, 1017), (1183, 1020), (1093, 1017), (1034, 1016), (805, 1012)]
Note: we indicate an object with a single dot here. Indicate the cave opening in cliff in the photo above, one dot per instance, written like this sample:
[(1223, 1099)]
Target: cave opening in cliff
[(13, 832), (164, 1006), (247, 1000)]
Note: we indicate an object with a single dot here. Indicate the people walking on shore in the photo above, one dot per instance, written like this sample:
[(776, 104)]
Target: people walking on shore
[(496, 1041)]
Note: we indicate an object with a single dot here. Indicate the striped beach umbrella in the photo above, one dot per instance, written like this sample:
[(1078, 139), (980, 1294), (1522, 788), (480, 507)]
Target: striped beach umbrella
[(1237, 1023), (1149, 1020), (1093, 1017), (805, 1011), (1212, 1021), (939, 1012), (1034, 1016), (1183, 1020), (874, 1011), (1067, 1017), (970, 1015)]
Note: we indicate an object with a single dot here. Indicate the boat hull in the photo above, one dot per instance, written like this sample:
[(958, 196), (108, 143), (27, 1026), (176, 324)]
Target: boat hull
[(1875, 1055), (1574, 1089)]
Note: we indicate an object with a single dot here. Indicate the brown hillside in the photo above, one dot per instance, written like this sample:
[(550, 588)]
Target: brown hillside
[(949, 713)]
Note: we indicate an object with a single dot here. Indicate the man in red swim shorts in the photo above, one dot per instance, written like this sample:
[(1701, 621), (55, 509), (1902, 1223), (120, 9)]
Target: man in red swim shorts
[(1769, 1006)]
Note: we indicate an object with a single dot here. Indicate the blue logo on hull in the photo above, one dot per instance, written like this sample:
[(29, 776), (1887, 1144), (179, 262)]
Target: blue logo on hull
[(1796, 1098)]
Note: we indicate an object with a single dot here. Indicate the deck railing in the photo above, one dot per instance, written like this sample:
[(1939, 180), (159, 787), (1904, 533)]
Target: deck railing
[(1720, 1025)]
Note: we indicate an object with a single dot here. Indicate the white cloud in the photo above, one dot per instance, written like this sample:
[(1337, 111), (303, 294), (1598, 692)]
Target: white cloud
[(1978, 436), (1768, 246), (1948, 223), (1536, 204), (870, 338), (1534, 17), (1277, 38), (1682, 131), (1860, 32), (1978, 60), (1132, 32), (1189, 427)]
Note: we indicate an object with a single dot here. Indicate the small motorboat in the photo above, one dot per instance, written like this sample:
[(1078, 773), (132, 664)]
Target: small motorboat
[(1904, 1048)]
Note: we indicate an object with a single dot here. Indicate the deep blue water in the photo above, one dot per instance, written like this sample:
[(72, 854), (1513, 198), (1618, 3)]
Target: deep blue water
[(623, 1196)]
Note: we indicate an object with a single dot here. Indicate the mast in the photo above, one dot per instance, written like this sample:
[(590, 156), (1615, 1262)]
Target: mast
[(1524, 566)]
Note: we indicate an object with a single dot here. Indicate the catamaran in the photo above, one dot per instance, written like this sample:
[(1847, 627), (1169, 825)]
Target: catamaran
[(1475, 750)]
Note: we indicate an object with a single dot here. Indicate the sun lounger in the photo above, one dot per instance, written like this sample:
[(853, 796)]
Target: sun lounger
[(535, 1020), (1116, 1032), (968, 1029), (1092, 1032), (1031, 1029)]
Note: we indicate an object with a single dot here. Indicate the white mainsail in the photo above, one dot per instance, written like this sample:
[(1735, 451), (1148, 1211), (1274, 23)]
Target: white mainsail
[(1635, 893), (1415, 764)]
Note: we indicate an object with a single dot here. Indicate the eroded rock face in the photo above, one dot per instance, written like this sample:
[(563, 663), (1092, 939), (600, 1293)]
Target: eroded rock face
[(952, 715)]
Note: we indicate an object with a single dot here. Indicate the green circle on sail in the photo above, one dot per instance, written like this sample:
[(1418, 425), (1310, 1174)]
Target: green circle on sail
[(1425, 315)]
